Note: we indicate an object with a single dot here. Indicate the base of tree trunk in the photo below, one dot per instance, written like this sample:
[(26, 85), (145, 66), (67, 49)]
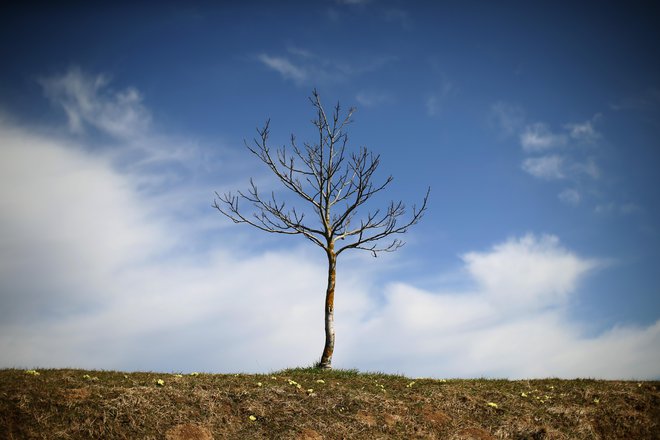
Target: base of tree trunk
[(324, 366)]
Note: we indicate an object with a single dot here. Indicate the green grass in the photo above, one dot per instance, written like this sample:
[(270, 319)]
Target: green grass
[(308, 403)]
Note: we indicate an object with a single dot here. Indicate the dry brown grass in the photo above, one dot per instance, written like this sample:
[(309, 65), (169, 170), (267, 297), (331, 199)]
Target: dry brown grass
[(76, 404)]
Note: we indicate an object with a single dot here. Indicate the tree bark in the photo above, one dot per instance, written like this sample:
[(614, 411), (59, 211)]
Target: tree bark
[(326, 358)]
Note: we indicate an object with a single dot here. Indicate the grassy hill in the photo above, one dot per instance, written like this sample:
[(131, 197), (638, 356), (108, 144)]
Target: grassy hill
[(308, 404)]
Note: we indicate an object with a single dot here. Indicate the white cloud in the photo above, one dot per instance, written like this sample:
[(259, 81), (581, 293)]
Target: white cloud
[(538, 137), (571, 165), (305, 67), (284, 67), (582, 132), (570, 196), (556, 167), (529, 270), (95, 273), (88, 100), (545, 167), (82, 250), (513, 324), (66, 216)]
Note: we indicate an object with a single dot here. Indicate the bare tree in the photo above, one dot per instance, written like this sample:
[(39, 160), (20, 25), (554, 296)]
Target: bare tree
[(333, 186)]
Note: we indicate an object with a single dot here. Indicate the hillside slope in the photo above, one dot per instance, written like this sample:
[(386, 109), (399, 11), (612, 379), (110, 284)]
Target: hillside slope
[(307, 404)]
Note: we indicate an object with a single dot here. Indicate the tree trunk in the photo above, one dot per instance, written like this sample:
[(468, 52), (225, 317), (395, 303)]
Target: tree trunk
[(326, 358)]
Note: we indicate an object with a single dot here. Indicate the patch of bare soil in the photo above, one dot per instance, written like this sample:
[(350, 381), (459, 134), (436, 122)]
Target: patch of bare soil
[(309, 434), (188, 431), (391, 419), (366, 418), (435, 416)]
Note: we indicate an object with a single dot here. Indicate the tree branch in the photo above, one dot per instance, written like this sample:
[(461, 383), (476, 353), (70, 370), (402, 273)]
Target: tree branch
[(324, 177)]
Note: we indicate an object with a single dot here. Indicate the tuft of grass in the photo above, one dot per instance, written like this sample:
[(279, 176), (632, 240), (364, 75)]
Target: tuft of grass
[(309, 403), (314, 371)]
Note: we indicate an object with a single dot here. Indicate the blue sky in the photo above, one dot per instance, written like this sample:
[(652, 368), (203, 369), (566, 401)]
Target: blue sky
[(535, 125)]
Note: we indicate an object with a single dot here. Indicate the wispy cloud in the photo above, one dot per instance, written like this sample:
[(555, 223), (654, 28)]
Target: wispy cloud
[(93, 106), (538, 137), (582, 132), (511, 325), (549, 167), (305, 67), (285, 68), (541, 145), (87, 100), (570, 196), (135, 265)]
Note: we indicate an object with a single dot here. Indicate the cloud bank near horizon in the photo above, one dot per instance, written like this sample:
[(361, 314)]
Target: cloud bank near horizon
[(96, 274)]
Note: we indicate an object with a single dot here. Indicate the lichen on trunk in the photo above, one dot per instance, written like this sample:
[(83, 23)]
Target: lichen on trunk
[(326, 357)]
